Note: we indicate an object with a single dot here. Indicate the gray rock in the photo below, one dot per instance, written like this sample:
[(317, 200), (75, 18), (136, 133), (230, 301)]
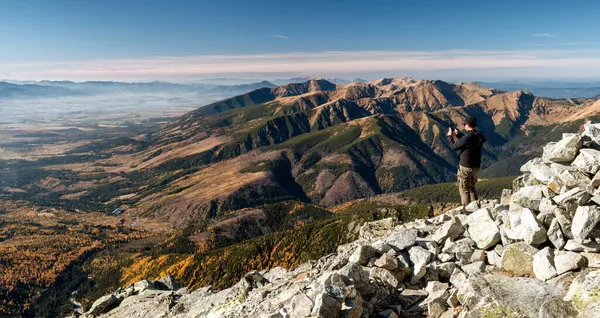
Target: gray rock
[(388, 313), (521, 224), (387, 261), (557, 308), (482, 229), (382, 247), (444, 269), (586, 246), (452, 300), (143, 285), (326, 307), (379, 228), (573, 179), (363, 254), (591, 132), (436, 308), (555, 235), (474, 268), (429, 245), (451, 229), (505, 198), (587, 161), (592, 259), (540, 171), (567, 261), (518, 258), (169, 282), (102, 304), (445, 257), (563, 151), (529, 197), (596, 180), (384, 277), (543, 264), (518, 295), (461, 246), (493, 258), (354, 275), (477, 255), (584, 221), (402, 239), (419, 257)]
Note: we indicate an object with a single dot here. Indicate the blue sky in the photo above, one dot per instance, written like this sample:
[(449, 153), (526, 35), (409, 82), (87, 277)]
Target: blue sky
[(185, 40)]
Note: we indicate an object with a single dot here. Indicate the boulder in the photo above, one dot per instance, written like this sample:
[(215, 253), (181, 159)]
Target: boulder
[(587, 161), (517, 258), (474, 268), (326, 306), (482, 229), (102, 305), (354, 274), (521, 224), (450, 229), (585, 220), (494, 259), (379, 228), (402, 239), (143, 285), (445, 257), (592, 259), (596, 181), (541, 172), (567, 261), (387, 261), (461, 246), (384, 277), (586, 246), (591, 132), (555, 235), (528, 197), (505, 198), (419, 257), (168, 282), (563, 151), (543, 264), (363, 254), (488, 293)]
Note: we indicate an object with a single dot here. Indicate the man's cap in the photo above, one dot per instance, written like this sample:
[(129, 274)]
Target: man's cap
[(472, 121)]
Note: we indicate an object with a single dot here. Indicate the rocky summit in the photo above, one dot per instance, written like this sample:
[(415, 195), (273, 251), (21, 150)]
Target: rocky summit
[(532, 253)]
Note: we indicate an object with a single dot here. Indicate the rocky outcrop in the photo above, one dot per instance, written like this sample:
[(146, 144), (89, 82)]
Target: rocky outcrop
[(532, 254)]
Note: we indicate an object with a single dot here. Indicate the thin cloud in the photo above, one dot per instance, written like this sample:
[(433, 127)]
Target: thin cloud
[(517, 62), (279, 36), (547, 35)]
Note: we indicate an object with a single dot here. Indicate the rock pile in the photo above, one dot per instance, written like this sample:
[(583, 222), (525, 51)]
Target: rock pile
[(533, 253)]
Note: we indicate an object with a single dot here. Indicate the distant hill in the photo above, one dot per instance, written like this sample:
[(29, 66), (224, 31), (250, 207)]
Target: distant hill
[(551, 89), (27, 91), (236, 89)]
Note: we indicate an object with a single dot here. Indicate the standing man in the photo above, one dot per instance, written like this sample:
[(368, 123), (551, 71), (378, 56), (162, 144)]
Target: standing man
[(469, 152)]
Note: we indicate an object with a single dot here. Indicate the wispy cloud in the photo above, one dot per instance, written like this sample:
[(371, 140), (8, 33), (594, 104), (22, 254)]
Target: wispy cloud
[(515, 63), (547, 35), (279, 36)]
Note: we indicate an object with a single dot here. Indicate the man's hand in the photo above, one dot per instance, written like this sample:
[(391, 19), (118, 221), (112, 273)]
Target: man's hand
[(450, 132)]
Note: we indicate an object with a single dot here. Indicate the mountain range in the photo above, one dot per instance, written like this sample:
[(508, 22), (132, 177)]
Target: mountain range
[(324, 143)]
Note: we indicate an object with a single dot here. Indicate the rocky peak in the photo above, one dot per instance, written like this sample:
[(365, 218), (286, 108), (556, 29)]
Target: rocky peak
[(534, 252)]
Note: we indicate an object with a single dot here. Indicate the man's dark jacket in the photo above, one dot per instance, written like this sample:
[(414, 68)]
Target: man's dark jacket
[(469, 147)]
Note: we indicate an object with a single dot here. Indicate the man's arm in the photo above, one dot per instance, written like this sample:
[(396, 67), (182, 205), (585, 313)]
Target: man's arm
[(461, 143), (451, 140)]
